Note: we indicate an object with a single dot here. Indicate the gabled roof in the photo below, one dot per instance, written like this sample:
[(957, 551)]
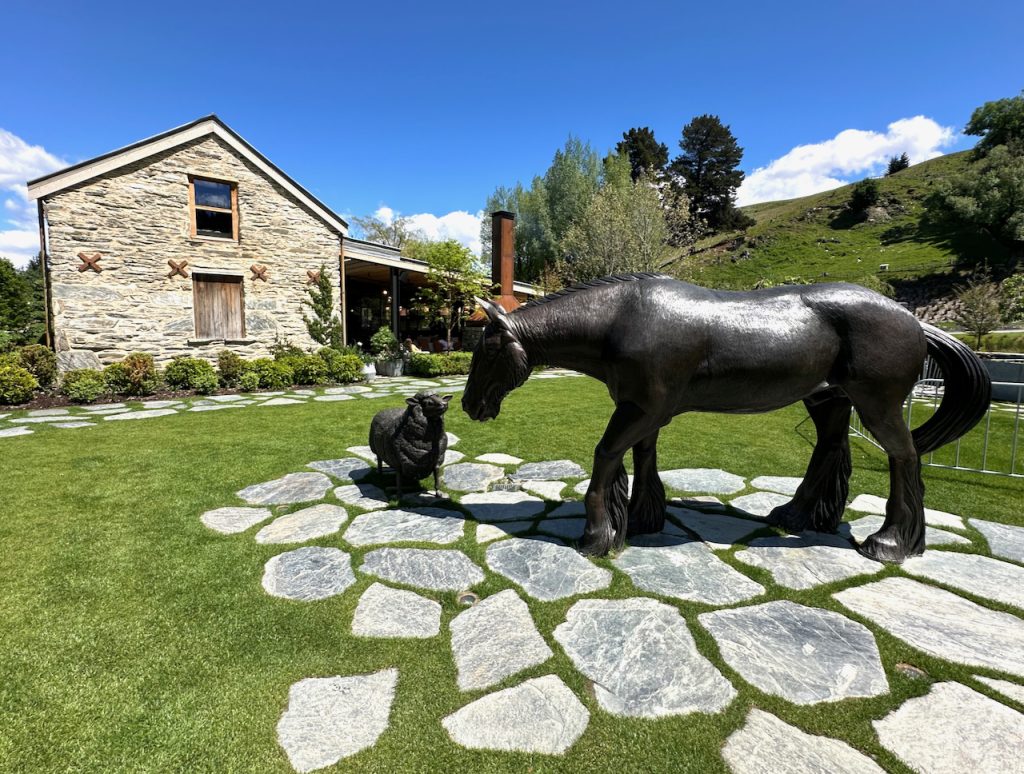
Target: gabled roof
[(65, 178)]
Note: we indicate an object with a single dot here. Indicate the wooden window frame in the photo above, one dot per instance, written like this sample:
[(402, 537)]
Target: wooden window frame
[(193, 232)]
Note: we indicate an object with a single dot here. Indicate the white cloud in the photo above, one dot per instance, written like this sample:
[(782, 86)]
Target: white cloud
[(20, 162), (825, 165), (462, 226)]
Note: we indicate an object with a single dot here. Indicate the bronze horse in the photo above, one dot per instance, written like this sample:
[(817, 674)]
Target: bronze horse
[(665, 347)]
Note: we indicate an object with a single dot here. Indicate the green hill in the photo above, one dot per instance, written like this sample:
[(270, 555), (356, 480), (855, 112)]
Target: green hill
[(817, 238)]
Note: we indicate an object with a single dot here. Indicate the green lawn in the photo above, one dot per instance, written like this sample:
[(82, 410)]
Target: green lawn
[(135, 639)]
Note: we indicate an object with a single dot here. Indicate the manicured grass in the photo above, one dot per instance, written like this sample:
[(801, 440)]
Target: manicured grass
[(996, 342), (135, 639)]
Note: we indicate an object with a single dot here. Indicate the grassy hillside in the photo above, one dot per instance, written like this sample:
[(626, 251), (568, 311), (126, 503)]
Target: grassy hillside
[(817, 238)]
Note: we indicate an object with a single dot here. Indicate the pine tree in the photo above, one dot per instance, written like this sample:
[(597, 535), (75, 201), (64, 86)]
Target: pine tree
[(324, 326), (897, 164), (646, 155), (709, 166)]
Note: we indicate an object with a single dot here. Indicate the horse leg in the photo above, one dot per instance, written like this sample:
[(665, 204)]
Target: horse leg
[(820, 499), (606, 499), (902, 532), (647, 505)]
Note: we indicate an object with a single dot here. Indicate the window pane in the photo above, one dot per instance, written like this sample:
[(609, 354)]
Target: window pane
[(214, 223), (213, 194)]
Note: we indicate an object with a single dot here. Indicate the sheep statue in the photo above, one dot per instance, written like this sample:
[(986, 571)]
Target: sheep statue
[(413, 440)]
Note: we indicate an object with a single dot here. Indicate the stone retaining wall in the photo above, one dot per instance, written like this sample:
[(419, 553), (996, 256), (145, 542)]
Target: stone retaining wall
[(137, 218)]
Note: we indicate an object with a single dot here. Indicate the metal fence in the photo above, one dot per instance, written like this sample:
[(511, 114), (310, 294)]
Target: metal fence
[(991, 447)]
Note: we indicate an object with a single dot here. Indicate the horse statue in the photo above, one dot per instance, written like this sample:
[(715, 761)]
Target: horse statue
[(665, 347)]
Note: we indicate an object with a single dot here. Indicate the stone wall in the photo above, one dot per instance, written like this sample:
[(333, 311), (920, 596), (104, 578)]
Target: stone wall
[(137, 218)]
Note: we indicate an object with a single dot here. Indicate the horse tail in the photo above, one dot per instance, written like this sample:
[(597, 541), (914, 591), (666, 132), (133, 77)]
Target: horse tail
[(967, 391)]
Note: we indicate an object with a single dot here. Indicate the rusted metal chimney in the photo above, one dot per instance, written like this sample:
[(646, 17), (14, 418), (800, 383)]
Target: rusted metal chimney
[(503, 250)]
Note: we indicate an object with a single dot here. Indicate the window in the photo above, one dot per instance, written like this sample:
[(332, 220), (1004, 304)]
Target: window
[(214, 207), (219, 309)]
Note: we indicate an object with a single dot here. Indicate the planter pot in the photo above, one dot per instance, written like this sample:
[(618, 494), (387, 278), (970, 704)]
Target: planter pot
[(369, 371), (390, 367)]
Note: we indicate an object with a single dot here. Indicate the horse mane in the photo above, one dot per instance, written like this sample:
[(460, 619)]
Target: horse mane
[(636, 276)]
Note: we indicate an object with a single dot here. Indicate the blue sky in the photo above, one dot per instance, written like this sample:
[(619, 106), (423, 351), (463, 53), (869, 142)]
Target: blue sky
[(425, 107)]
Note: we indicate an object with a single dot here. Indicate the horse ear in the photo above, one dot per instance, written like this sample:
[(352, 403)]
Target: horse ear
[(493, 310)]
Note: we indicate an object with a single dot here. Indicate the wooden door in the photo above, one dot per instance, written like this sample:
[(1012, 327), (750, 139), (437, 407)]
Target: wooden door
[(218, 306)]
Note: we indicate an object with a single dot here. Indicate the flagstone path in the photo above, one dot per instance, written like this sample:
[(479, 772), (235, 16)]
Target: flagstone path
[(623, 628)]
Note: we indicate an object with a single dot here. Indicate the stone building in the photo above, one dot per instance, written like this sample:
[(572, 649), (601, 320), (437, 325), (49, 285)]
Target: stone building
[(191, 242)]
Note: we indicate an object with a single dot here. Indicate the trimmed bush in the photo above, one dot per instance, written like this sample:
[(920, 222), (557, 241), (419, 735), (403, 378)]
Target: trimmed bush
[(231, 367), (115, 378), (16, 384), (249, 381), (283, 349), (83, 385), (448, 364), (273, 374), (342, 367), (306, 369), (191, 373), (40, 362), (135, 375)]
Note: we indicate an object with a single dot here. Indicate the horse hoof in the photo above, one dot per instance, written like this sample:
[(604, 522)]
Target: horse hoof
[(884, 548), (596, 545), (786, 517)]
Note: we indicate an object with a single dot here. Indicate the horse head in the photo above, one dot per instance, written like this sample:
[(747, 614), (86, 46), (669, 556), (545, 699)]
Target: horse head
[(500, 364)]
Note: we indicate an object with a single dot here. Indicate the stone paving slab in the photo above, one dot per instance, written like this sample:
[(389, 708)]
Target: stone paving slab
[(545, 471), (11, 432), (681, 568), (941, 623), (759, 503), (953, 729), (567, 529), (582, 486), (363, 451), (434, 569), (423, 525), (495, 639), (451, 456), (311, 523), (485, 533), (283, 402), (549, 490), (502, 506), (148, 414), (569, 510), (498, 458), (545, 568), (332, 398), (330, 718), (807, 560), (364, 496), (345, 469), (642, 659), (48, 420), (867, 503), (786, 485), (386, 612), (1003, 540), (1005, 687), (538, 716), (308, 574), (710, 480), (862, 528), (718, 531), (767, 745), (470, 476), (229, 521), (803, 654), (453, 439), (292, 488), (979, 575), (51, 412), (72, 425)]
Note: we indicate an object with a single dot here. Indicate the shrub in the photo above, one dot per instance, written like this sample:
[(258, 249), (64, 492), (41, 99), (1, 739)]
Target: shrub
[(231, 367), (249, 381), (424, 364), (865, 194), (283, 348), (40, 362), (115, 378), (135, 375), (341, 367), (1011, 295), (16, 384), (190, 373), (384, 345), (306, 369), (877, 284), (272, 374), (83, 385)]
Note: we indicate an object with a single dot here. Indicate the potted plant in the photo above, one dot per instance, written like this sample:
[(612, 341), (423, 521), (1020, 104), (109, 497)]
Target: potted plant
[(387, 352)]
